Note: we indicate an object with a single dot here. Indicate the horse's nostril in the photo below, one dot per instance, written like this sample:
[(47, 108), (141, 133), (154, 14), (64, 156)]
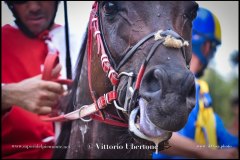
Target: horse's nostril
[(191, 92), (147, 96), (152, 81), (188, 85), (152, 85), (157, 74), (191, 99)]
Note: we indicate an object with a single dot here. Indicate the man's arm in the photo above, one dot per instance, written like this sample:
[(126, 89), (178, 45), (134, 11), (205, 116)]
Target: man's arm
[(182, 146)]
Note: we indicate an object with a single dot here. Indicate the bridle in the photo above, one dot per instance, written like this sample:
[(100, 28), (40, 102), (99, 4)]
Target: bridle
[(95, 27)]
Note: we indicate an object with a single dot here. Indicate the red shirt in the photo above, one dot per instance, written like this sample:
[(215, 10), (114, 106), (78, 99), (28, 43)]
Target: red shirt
[(23, 132)]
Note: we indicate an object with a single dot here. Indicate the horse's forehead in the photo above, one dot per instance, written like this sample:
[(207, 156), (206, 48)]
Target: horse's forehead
[(169, 4), (152, 10), (134, 20)]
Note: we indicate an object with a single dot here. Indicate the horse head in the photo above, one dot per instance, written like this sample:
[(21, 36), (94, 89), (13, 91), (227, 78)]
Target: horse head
[(144, 48), (167, 91)]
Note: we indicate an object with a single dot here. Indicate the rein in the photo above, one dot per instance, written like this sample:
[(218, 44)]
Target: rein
[(51, 60), (111, 97)]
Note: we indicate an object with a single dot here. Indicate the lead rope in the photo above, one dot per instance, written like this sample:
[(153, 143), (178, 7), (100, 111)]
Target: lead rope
[(89, 59), (50, 62)]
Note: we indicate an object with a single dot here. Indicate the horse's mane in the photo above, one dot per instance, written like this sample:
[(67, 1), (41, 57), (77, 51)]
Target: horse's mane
[(67, 104)]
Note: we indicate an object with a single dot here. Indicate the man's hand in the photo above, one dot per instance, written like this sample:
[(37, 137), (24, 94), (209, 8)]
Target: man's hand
[(33, 94)]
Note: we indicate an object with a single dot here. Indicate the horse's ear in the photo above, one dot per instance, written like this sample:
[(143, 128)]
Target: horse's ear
[(194, 12)]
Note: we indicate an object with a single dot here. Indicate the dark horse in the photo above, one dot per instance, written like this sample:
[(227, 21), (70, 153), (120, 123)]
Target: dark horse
[(133, 86)]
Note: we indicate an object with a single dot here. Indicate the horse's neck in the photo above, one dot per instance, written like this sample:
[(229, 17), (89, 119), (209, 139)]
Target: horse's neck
[(99, 81), (83, 133), (83, 93)]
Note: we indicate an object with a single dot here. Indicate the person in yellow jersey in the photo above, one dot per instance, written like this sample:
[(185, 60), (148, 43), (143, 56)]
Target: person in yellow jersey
[(204, 135)]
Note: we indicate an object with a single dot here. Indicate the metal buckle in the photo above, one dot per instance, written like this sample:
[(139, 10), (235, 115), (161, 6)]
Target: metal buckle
[(129, 91), (84, 120)]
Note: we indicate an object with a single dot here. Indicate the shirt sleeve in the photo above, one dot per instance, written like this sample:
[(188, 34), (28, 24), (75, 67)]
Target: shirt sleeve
[(224, 138)]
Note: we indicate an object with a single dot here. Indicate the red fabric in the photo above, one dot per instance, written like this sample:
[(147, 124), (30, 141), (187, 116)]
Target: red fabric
[(21, 59)]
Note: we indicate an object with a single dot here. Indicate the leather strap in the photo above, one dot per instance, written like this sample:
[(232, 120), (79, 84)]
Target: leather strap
[(90, 110), (109, 121), (51, 61), (133, 50)]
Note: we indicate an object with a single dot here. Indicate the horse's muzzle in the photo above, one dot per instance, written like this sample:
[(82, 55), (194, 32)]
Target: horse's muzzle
[(169, 95)]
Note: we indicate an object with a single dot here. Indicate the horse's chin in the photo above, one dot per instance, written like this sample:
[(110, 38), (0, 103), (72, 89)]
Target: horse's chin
[(142, 127)]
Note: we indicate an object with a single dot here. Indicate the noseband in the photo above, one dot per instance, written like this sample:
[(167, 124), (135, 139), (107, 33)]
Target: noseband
[(168, 38)]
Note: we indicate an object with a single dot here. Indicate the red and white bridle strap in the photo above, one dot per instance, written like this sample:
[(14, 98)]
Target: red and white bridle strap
[(107, 68)]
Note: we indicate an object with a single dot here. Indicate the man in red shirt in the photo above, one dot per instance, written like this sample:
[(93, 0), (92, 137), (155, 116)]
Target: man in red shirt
[(25, 96)]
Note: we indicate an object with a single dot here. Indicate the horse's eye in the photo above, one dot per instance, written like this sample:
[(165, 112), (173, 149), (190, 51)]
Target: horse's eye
[(110, 8)]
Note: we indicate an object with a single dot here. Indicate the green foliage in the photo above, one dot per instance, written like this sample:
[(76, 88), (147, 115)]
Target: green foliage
[(221, 92)]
